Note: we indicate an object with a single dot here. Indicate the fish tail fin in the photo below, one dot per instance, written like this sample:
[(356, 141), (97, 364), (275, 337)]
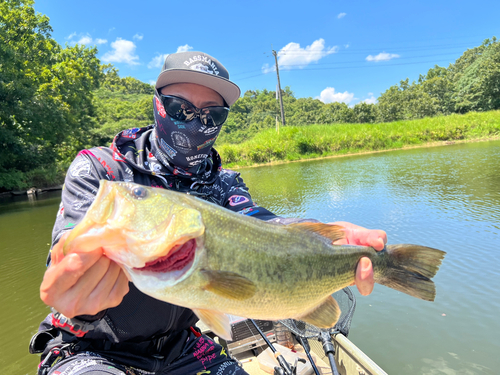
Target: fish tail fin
[(409, 269)]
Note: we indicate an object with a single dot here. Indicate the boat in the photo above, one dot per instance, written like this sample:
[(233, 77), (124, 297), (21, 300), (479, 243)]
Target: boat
[(250, 350)]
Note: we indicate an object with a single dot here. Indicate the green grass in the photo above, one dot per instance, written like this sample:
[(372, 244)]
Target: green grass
[(315, 141)]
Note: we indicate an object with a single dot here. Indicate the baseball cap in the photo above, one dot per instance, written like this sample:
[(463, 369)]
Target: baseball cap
[(200, 68)]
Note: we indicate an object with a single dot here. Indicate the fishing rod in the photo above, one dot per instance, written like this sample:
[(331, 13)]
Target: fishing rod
[(305, 344), (286, 368)]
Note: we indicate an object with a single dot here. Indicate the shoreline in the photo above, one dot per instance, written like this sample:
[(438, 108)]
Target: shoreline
[(34, 191), (31, 191), (423, 145)]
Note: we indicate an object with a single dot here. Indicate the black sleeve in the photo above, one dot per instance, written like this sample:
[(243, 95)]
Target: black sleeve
[(79, 191)]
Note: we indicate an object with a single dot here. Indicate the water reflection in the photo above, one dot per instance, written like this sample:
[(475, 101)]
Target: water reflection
[(443, 197)]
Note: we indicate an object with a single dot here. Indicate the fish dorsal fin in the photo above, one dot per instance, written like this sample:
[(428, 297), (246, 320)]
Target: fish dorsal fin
[(228, 284), (332, 232), (325, 315), (216, 321)]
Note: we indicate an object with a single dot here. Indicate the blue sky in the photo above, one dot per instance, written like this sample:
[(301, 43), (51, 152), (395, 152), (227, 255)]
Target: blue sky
[(334, 50)]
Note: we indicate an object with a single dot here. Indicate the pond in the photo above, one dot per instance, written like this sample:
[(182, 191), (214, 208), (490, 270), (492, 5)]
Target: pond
[(444, 197)]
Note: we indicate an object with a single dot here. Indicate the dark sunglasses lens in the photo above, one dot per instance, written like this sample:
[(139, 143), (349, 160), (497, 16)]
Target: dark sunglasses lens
[(182, 110), (217, 116), (178, 109)]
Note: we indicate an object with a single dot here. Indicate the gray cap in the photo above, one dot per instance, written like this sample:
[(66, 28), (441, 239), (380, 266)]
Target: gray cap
[(199, 68)]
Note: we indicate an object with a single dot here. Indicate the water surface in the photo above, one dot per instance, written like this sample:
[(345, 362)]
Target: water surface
[(443, 197)]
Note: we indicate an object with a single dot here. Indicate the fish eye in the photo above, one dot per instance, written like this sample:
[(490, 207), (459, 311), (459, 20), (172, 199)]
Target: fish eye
[(139, 192)]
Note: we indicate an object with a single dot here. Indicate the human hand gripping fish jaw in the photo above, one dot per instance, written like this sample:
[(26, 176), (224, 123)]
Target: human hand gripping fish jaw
[(188, 252)]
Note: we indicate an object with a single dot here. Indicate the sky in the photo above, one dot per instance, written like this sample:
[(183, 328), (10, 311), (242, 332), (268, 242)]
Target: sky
[(332, 50)]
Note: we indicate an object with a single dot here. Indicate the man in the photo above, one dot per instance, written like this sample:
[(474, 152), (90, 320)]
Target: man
[(101, 324)]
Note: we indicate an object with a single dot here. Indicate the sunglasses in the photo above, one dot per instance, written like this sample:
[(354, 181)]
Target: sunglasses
[(182, 110)]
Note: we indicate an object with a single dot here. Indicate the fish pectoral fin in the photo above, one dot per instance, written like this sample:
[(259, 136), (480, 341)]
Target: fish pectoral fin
[(332, 232), (324, 315), (229, 284), (217, 322)]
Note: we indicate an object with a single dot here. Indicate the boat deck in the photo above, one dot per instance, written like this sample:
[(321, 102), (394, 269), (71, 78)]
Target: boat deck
[(349, 358)]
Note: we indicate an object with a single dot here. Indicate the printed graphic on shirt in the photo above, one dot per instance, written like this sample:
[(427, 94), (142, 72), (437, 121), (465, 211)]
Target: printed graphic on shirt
[(249, 211), (118, 157), (182, 172), (80, 169), (155, 167), (129, 175), (61, 209), (130, 133), (235, 200), (83, 200), (110, 174)]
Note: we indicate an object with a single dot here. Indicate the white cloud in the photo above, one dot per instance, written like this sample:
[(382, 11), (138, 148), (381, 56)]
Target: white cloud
[(293, 56), (329, 95), (85, 40), (123, 52), (138, 37), (184, 48), (157, 61), (382, 56), (341, 15), (371, 99), (268, 69)]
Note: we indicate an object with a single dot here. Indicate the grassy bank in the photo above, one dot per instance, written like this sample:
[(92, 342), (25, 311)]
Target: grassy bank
[(315, 141)]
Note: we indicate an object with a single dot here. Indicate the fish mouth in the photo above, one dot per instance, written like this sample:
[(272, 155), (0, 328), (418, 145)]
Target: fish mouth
[(180, 257)]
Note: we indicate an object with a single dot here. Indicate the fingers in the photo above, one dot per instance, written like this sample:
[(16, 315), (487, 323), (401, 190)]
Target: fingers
[(364, 276), (61, 277), (356, 235), (376, 238), (83, 284), (56, 253), (110, 290)]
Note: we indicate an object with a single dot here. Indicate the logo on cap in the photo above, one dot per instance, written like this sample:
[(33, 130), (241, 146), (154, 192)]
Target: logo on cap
[(204, 64), (202, 68)]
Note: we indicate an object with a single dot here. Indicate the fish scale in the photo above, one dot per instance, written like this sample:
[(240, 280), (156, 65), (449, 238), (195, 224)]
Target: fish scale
[(241, 265)]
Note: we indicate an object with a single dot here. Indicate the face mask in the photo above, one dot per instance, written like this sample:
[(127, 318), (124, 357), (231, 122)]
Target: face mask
[(185, 144)]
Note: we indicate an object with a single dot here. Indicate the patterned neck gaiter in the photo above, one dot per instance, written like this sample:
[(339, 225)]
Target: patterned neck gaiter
[(185, 144)]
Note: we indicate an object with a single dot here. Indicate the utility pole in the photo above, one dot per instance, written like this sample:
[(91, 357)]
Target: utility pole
[(279, 88)]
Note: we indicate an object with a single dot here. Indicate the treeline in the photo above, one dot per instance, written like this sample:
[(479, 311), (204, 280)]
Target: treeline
[(56, 100)]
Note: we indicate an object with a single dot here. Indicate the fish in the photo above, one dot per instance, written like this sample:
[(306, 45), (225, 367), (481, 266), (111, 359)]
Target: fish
[(189, 252)]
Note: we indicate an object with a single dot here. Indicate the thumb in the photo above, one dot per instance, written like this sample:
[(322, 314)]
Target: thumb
[(56, 253)]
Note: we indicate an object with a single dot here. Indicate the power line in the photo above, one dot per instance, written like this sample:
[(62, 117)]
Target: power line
[(353, 67), (341, 62)]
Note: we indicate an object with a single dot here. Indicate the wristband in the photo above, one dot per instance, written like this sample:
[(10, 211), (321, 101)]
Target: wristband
[(77, 327)]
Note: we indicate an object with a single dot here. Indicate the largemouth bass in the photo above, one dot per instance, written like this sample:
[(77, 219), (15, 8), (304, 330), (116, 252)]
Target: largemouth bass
[(191, 253)]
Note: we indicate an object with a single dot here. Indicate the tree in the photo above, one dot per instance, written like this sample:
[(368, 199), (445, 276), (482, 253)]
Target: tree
[(336, 113), (406, 101), (365, 113), (439, 85), (45, 94), (477, 78)]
